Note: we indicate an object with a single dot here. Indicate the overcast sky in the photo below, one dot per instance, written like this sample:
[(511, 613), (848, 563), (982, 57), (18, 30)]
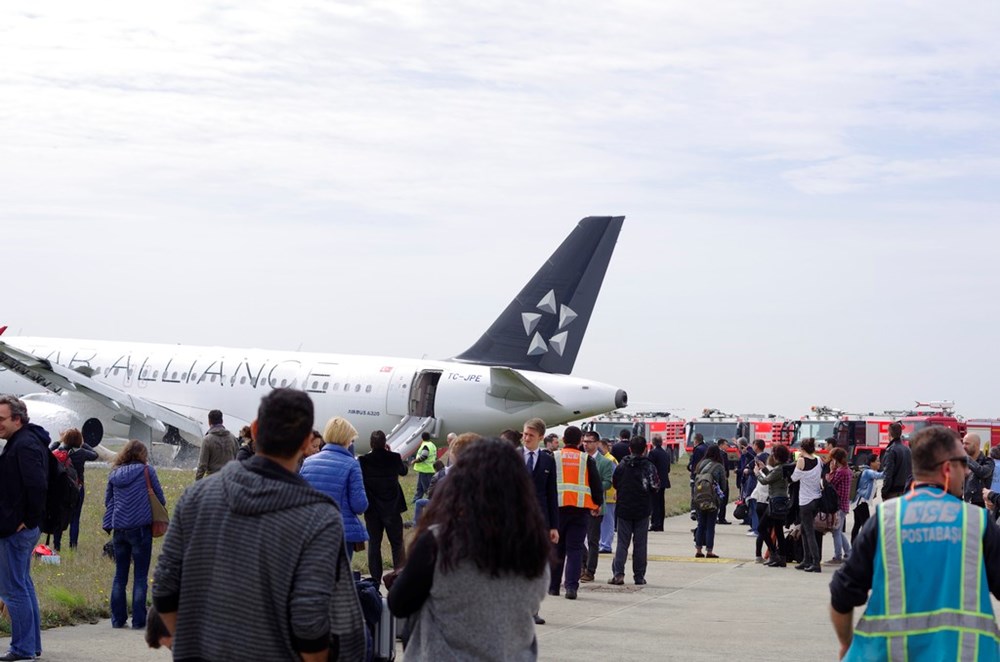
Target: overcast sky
[(811, 190)]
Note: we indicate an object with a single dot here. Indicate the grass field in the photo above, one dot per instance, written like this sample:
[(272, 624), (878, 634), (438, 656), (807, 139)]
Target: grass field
[(78, 590)]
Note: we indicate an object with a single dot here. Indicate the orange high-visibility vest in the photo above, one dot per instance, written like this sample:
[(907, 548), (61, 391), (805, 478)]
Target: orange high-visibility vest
[(572, 479)]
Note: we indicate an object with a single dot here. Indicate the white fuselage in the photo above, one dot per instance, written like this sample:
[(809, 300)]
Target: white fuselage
[(373, 393)]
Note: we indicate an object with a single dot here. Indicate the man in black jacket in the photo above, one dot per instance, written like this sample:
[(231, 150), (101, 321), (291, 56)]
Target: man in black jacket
[(24, 478), (542, 468), (661, 461), (381, 469), (980, 470), (620, 448), (896, 464), (636, 480)]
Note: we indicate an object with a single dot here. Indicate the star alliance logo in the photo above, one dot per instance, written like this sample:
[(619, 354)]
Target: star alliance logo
[(557, 342)]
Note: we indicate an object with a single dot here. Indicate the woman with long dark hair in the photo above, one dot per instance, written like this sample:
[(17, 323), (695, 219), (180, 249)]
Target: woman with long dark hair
[(130, 517), (809, 474), (704, 534), (772, 523), (71, 443), (478, 567)]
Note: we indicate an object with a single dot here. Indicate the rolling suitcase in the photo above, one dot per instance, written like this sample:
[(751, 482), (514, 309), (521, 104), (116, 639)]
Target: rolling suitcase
[(385, 635)]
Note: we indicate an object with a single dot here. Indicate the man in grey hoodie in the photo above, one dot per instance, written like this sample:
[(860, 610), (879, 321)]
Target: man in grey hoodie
[(217, 448), (293, 589)]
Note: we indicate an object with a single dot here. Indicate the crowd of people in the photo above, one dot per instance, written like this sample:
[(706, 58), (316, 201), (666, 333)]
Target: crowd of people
[(305, 503)]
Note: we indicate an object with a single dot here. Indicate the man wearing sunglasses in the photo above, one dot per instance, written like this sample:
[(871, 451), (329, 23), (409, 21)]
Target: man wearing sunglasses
[(931, 562)]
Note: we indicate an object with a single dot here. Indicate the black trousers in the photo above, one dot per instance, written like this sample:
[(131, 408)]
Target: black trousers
[(659, 510), (593, 543), (861, 515), (392, 526)]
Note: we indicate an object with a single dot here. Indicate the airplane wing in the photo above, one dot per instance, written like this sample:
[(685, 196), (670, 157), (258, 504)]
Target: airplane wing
[(57, 378), (509, 385)]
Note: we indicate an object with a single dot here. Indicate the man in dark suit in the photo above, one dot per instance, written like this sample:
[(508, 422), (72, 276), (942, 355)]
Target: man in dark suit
[(543, 477), (620, 447), (661, 462), (381, 469)]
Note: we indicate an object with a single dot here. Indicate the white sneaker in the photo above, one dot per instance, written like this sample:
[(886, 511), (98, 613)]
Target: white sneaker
[(751, 534)]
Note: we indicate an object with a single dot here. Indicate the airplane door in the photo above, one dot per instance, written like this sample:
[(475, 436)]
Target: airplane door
[(397, 396), (422, 394)]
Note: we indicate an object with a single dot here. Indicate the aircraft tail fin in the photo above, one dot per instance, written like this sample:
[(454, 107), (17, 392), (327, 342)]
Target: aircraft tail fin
[(543, 327)]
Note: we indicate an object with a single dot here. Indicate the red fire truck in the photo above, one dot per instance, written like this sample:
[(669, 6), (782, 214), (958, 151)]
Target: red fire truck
[(647, 424), (935, 412), (988, 430), (771, 429), (713, 425)]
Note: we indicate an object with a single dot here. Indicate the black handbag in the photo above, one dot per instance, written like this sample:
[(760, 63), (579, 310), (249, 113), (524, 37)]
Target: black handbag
[(778, 507), (829, 501), (741, 511)]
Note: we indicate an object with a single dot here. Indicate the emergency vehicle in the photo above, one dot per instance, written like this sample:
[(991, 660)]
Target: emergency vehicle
[(647, 424), (935, 412), (988, 430), (770, 429), (714, 425), (863, 436)]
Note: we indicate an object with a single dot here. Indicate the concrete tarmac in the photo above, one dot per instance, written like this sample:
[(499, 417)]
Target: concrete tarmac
[(691, 609)]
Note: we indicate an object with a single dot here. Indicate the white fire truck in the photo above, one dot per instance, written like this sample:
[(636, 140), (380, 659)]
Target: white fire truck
[(648, 424)]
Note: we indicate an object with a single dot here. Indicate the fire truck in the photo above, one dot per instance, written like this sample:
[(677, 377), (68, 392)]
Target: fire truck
[(770, 429), (876, 436), (713, 425), (935, 412), (988, 430), (647, 424), (863, 436)]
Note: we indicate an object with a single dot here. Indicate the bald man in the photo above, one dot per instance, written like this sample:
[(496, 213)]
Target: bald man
[(980, 470)]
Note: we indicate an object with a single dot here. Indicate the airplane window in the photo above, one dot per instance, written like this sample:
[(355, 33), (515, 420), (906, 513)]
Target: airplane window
[(368, 389), (326, 385), (336, 387), (212, 378), (243, 380), (315, 384), (184, 377), (283, 382), (347, 387), (116, 371), (173, 375), (357, 387), (156, 373)]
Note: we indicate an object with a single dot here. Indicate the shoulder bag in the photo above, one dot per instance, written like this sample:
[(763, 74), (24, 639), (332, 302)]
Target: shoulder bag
[(160, 517)]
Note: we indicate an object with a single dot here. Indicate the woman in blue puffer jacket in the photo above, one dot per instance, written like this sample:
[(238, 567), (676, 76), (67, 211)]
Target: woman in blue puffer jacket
[(336, 473), (129, 515)]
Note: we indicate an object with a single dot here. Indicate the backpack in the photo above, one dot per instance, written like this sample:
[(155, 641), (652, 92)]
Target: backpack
[(705, 499), (63, 493)]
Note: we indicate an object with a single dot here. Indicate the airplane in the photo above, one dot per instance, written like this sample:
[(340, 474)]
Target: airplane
[(520, 368)]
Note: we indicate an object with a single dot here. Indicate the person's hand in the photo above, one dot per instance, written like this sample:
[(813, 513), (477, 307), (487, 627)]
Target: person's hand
[(986, 498), (554, 536)]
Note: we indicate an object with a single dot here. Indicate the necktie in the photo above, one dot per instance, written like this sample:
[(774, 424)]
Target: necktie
[(531, 461)]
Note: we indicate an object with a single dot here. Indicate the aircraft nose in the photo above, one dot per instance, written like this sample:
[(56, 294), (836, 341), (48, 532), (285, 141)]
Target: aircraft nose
[(621, 399)]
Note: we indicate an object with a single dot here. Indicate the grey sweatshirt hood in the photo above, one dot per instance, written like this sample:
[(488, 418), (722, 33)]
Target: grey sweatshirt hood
[(248, 492)]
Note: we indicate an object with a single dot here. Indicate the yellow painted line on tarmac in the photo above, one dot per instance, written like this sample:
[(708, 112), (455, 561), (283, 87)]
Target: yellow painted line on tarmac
[(692, 559)]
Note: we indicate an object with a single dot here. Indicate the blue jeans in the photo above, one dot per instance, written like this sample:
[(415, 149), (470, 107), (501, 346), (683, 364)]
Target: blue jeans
[(608, 527), (18, 591), (418, 507), (74, 526), (423, 482), (841, 545), (704, 535), (131, 545), (754, 519)]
